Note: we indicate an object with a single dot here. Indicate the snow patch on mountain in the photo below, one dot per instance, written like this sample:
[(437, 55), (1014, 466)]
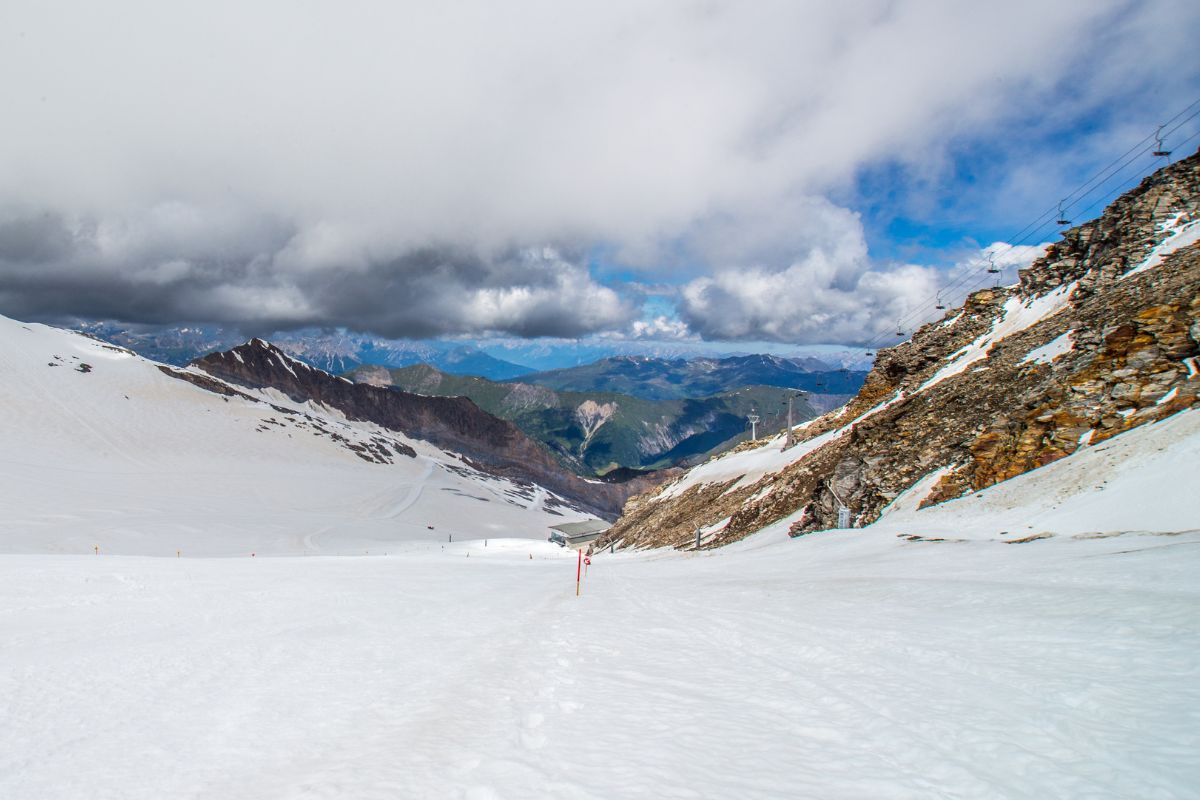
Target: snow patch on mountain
[(1047, 353), (1017, 315), (1179, 235)]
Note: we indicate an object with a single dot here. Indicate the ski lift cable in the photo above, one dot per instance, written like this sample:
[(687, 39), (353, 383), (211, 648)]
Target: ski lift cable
[(967, 282), (1125, 186), (1132, 156), (1038, 224), (1085, 189), (1135, 148), (1134, 151), (1114, 173), (1104, 176), (1130, 182)]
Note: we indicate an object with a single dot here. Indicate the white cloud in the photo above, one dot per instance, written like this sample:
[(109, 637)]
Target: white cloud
[(307, 149), (564, 300), (661, 327), (836, 294)]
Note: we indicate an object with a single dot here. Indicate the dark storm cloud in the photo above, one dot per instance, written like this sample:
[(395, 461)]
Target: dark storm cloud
[(254, 277), (43, 239), (448, 290)]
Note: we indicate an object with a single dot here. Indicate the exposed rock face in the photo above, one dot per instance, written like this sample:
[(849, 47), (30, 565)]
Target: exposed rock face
[(452, 423), (590, 415), (373, 376), (1102, 334)]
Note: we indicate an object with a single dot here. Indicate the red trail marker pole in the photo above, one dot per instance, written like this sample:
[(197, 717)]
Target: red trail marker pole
[(578, 569)]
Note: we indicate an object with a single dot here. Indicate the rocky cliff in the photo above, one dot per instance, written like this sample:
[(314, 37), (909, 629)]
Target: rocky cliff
[(452, 423), (1100, 335)]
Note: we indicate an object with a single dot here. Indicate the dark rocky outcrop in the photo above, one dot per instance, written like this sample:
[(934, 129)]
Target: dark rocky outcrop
[(490, 444), (1134, 340)]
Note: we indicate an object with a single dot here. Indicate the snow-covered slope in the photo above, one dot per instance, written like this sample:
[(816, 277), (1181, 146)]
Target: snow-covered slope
[(102, 449), (954, 651), (1141, 481)]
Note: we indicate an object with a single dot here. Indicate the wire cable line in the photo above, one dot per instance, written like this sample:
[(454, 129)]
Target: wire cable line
[(979, 271)]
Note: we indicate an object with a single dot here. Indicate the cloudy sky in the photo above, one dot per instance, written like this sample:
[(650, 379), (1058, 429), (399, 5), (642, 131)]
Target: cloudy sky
[(758, 171)]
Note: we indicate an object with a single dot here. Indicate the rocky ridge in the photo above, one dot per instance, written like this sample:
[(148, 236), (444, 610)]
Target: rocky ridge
[(1099, 336), (489, 444)]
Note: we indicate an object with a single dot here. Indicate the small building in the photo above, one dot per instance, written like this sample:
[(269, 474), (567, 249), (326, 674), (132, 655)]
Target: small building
[(578, 535)]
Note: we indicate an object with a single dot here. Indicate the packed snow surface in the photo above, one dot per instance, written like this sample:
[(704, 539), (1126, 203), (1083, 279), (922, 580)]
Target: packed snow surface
[(1049, 648)]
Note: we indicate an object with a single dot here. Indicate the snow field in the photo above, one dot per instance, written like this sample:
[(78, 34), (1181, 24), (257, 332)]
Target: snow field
[(844, 664), (836, 665)]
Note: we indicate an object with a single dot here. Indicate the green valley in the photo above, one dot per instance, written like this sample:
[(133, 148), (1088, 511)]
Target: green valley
[(596, 432)]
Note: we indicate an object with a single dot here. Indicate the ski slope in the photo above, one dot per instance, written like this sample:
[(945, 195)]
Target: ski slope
[(1047, 646), (120, 457), (833, 667)]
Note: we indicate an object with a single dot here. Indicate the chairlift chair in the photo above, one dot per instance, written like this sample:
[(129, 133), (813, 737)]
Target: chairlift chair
[(1159, 150), (1062, 217), (992, 268), (940, 305)]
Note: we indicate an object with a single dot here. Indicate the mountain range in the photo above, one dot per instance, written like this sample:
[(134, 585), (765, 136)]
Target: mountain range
[(672, 379), (332, 351), (120, 454), (597, 432), (501, 359)]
